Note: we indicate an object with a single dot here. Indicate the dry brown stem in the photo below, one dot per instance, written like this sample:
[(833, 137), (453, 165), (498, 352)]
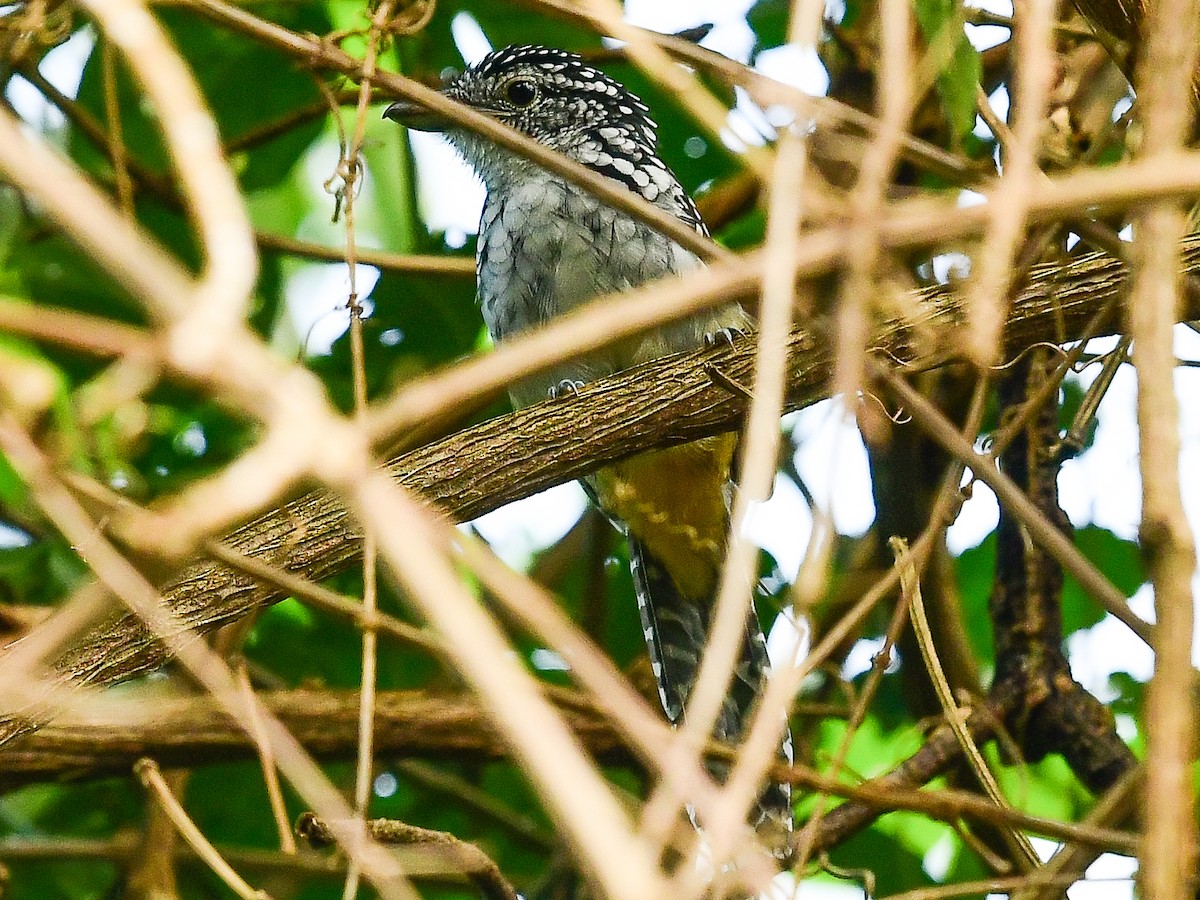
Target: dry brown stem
[(1169, 855), (151, 777), (460, 855)]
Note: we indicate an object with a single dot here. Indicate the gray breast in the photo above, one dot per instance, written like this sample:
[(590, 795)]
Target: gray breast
[(547, 247)]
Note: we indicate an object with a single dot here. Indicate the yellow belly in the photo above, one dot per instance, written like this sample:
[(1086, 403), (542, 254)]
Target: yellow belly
[(675, 502)]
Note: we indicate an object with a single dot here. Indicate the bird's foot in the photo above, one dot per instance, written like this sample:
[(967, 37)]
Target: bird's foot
[(567, 387), (724, 337)]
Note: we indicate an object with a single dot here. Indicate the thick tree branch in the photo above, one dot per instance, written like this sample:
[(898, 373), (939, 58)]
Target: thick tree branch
[(189, 731), (669, 401), (1056, 715), (194, 730)]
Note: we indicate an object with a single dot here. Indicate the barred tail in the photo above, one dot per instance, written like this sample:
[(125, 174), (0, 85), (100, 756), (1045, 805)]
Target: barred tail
[(676, 631)]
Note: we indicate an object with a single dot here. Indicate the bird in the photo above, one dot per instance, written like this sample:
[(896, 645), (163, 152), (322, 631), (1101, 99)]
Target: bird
[(546, 247)]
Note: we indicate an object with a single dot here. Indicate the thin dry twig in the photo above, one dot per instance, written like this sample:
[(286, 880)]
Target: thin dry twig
[(987, 886), (879, 664), (950, 805), (910, 588), (127, 583), (497, 809), (323, 598), (266, 759), (760, 451), (151, 777), (1041, 531), (351, 170), (988, 291), (80, 331), (116, 142), (1166, 97), (123, 849), (152, 875), (998, 127), (456, 266)]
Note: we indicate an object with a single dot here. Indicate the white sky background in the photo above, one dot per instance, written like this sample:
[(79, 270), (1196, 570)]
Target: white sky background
[(1102, 486)]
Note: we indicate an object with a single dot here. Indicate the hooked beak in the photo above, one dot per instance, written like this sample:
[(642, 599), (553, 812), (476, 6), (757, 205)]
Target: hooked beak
[(413, 115)]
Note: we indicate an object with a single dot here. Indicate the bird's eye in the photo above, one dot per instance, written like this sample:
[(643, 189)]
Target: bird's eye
[(521, 93)]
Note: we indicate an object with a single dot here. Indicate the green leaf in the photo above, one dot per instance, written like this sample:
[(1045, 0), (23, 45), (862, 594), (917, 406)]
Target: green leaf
[(13, 492), (11, 216), (976, 570), (1047, 788), (769, 21), (54, 271), (874, 749), (245, 83), (187, 438), (301, 644), (959, 66), (748, 231), (957, 87), (1119, 560), (883, 850), (1131, 694), (61, 880)]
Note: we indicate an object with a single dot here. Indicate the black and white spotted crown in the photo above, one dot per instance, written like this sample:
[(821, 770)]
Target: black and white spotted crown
[(560, 100), (565, 90)]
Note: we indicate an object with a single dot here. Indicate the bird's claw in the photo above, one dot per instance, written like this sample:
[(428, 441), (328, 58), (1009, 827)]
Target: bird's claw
[(567, 387), (724, 336)]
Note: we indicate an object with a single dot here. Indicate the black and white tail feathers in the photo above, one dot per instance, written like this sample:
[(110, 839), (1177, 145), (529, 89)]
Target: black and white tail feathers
[(676, 631)]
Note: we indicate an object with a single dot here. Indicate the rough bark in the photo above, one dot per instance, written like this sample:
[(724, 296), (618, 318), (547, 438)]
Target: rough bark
[(193, 730), (670, 401)]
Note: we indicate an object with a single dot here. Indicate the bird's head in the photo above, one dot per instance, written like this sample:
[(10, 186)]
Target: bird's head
[(551, 95)]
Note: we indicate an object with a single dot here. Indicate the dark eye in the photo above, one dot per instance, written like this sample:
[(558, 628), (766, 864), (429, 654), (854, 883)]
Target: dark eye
[(520, 93)]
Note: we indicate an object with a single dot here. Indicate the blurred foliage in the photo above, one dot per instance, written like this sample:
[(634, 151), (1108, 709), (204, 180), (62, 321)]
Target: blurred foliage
[(151, 444), (769, 21), (959, 75), (1119, 560)]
